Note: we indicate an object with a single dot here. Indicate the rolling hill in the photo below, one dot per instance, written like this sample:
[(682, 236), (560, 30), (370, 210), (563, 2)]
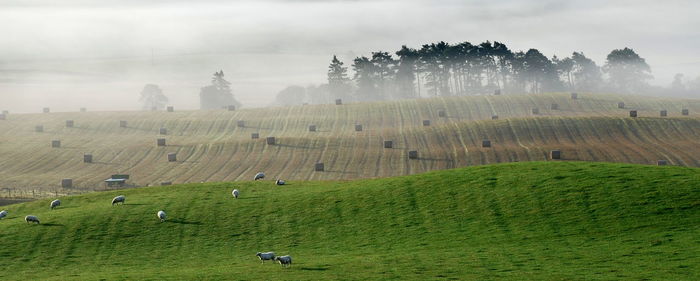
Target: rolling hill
[(515, 221), (210, 145)]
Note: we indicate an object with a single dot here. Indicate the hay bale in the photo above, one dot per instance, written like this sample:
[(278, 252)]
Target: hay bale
[(163, 131), (358, 128), (312, 128), (413, 154), (620, 105), (231, 108), (87, 158), (154, 108), (574, 96), (55, 143), (160, 142), (426, 122), (684, 112), (555, 106), (338, 101), (3, 116), (663, 113), (39, 129), (69, 123), (255, 136), (270, 140), (535, 110), (485, 143), (172, 157), (497, 92), (122, 124), (661, 163), (163, 183), (494, 117), (6, 112), (633, 113), (555, 154), (388, 144), (46, 110), (82, 109), (240, 123), (442, 113), (319, 167), (67, 183), (171, 109)]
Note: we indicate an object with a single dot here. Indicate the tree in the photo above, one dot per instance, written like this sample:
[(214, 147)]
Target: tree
[(218, 94), (384, 66), (406, 70), (587, 75), (338, 86), (627, 71), (292, 95), (677, 84), (365, 79), (540, 72), (152, 97), (565, 69)]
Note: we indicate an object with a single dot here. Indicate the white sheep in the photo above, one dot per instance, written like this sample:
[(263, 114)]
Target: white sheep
[(55, 203), (118, 199), (266, 256), (235, 193), (279, 182), (285, 261), (31, 218), (259, 176), (3, 214), (161, 216)]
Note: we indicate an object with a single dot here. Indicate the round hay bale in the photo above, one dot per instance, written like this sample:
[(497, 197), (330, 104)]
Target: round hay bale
[(240, 123), (163, 183), (442, 113), (122, 124), (338, 101), (39, 128), (535, 110), (413, 154), (633, 113), (685, 112), (160, 142), (87, 158), (255, 136), (231, 108), (620, 105), (358, 128), (485, 143), (271, 140), (496, 92), (426, 122), (555, 106), (661, 163), (574, 96), (55, 143), (163, 131), (663, 113), (67, 183), (494, 117), (46, 110), (171, 109), (312, 128), (69, 123), (555, 154)]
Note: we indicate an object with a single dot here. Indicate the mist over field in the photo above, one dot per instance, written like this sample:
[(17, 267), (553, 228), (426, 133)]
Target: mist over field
[(73, 54)]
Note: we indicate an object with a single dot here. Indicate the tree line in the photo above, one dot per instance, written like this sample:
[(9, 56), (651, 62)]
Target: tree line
[(444, 69)]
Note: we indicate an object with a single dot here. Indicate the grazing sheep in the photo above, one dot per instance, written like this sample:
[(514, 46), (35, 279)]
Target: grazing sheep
[(3, 214), (266, 256), (235, 193), (55, 203), (118, 199), (161, 216), (285, 261), (259, 176), (280, 182), (31, 218)]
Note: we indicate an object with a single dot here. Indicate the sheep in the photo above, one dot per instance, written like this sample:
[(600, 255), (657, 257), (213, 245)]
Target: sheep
[(55, 203), (285, 261), (3, 214), (118, 199), (31, 218), (280, 182), (161, 216), (235, 193), (266, 256), (259, 176)]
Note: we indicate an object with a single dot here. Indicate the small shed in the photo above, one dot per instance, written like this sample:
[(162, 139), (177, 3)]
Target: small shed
[(118, 180)]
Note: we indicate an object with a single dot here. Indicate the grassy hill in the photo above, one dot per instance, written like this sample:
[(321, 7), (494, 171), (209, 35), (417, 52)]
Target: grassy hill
[(211, 147), (518, 221)]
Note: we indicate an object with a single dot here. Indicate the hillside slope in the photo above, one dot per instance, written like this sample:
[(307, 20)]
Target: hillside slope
[(211, 147), (519, 221)]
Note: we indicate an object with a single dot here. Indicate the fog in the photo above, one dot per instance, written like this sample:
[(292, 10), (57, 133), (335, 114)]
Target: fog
[(71, 54)]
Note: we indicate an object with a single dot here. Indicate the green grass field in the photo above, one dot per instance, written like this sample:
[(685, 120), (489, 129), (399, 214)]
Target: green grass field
[(517, 221)]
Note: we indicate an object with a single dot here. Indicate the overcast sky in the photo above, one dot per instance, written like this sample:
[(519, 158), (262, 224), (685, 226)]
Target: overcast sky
[(71, 53)]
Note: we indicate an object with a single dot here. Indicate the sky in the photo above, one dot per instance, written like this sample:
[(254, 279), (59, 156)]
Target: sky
[(99, 54)]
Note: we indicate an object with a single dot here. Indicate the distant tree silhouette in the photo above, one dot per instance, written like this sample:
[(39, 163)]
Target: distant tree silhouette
[(365, 79), (218, 94), (627, 71), (338, 85), (292, 95), (152, 97), (406, 70), (587, 75)]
